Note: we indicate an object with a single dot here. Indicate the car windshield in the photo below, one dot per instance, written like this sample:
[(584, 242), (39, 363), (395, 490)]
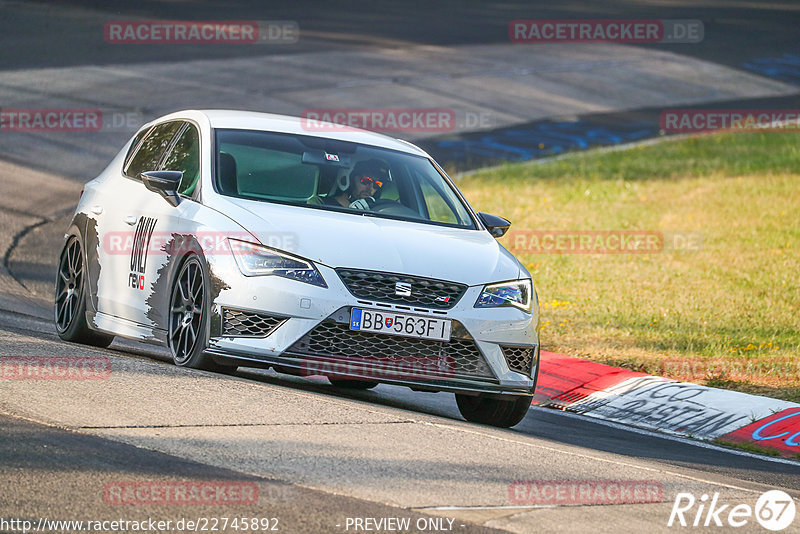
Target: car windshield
[(328, 174)]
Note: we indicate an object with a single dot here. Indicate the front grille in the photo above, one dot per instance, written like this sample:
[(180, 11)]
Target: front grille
[(248, 324), (519, 359), (427, 292), (413, 357)]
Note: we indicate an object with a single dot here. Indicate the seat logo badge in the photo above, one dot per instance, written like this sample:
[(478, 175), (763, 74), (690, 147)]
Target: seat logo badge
[(402, 289)]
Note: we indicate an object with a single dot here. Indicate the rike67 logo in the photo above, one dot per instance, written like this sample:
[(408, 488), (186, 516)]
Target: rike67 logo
[(774, 510)]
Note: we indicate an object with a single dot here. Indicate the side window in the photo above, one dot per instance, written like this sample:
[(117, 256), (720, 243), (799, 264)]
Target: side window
[(134, 145), (153, 147), (440, 200), (185, 156), (438, 210)]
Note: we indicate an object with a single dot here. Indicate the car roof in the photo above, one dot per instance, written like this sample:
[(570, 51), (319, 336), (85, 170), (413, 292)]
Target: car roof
[(252, 120)]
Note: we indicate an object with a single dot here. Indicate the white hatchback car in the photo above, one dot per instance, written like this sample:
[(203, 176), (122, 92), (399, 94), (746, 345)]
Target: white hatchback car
[(249, 239)]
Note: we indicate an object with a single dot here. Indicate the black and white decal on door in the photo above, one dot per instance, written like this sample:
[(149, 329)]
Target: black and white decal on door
[(140, 251)]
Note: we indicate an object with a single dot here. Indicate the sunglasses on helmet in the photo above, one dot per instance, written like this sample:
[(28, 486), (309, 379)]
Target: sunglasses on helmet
[(366, 180)]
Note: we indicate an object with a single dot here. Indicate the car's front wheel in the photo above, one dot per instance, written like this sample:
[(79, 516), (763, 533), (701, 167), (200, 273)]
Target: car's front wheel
[(70, 298), (188, 317), (503, 413)]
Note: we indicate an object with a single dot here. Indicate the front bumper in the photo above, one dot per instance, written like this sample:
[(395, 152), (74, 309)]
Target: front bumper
[(303, 329)]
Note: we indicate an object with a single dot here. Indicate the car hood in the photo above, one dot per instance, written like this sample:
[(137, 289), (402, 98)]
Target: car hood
[(335, 239)]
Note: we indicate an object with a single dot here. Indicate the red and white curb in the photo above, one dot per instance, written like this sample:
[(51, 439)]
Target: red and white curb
[(657, 403)]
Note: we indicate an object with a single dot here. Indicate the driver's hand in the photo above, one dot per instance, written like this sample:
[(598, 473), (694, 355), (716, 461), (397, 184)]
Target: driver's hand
[(363, 204)]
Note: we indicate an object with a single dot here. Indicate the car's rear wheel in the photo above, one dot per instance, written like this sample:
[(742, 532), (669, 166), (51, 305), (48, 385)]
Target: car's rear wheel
[(503, 413), (187, 333), (345, 383), (70, 298)]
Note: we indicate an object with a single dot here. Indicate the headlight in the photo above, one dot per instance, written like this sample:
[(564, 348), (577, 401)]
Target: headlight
[(517, 294), (257, 260)]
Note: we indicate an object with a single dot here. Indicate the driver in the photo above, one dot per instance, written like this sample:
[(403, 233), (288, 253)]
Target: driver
[(360, 189)]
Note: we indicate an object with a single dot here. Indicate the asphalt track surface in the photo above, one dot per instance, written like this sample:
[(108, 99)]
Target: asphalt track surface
[(735, 32), (318, 456)]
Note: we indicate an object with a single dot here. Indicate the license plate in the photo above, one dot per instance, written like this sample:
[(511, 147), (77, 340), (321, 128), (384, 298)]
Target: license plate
[(399, 324)]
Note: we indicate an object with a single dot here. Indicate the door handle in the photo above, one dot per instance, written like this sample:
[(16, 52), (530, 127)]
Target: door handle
[(131, 219), (97, 210)]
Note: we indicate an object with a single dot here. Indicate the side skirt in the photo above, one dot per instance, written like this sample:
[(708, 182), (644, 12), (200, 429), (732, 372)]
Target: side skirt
[(125, 328)]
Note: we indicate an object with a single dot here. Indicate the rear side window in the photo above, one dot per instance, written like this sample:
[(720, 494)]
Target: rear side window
[(152, 148)]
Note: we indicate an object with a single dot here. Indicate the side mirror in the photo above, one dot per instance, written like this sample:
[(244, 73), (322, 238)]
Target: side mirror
[(497, 226), (165, 183)]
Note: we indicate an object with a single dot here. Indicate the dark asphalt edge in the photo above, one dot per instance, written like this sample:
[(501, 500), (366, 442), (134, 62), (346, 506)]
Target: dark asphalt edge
[(15, 241)]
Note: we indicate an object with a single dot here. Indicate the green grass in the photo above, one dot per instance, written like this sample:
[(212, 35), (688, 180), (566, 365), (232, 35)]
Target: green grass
[(747, 447), (727, 314)]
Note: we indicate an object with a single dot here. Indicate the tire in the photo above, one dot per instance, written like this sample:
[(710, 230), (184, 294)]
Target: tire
[(187, 331), (69, 301), (344, 383), (493, 411)]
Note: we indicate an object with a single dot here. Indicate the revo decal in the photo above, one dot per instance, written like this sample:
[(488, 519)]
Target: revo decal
[(141, 245)]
